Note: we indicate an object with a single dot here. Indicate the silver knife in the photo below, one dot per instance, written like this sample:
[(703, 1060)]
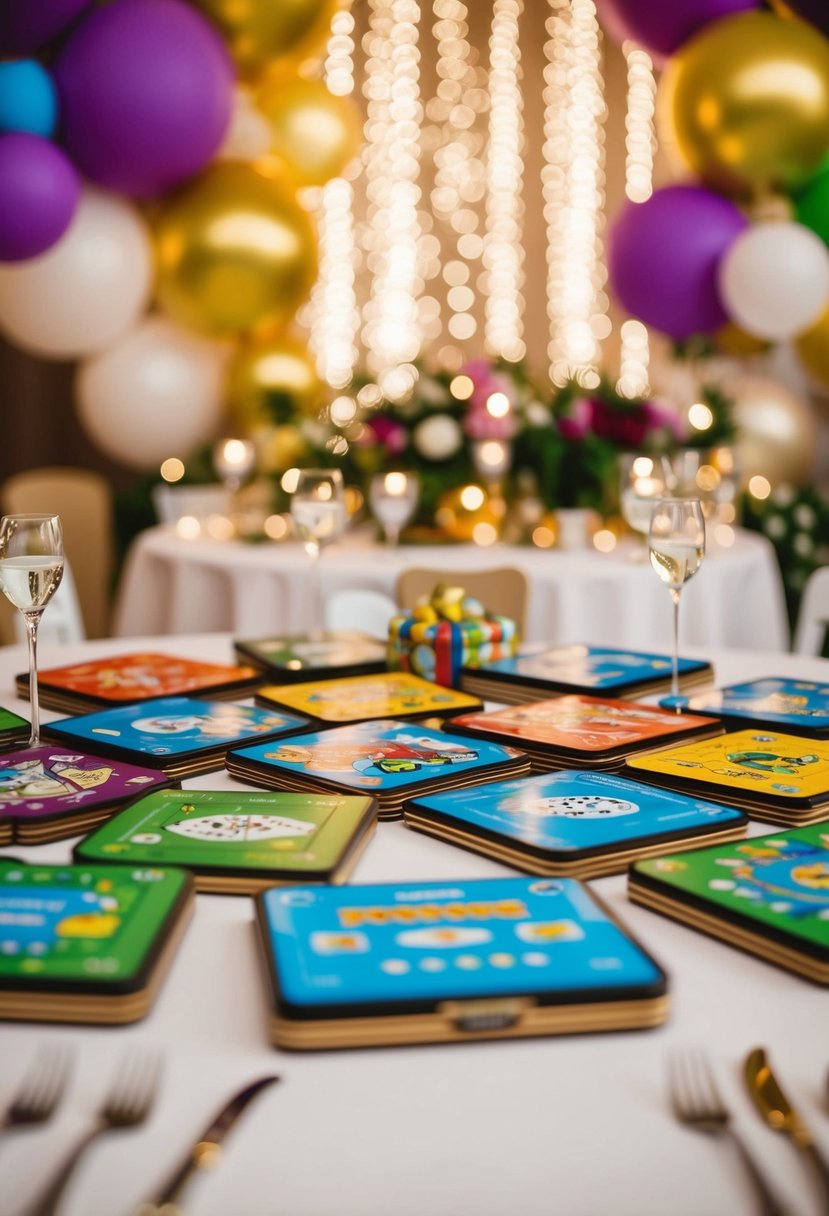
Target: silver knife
[(206, 1151), (780, 1115)]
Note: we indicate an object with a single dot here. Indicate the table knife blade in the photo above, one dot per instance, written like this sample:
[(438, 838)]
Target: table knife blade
[(205, 1152), (775, 1107)]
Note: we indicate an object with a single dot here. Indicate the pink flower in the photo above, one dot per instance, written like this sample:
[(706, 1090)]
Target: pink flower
[(486, 381), (387, 432), (479, 423), (579, 420), (662, 414)]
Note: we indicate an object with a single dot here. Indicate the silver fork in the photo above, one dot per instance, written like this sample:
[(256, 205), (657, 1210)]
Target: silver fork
[(696, 1102), (127, 1104), (40, 1090)]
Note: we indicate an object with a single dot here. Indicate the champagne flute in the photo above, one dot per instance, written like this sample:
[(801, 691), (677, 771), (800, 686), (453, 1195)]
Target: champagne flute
[(393, 498), (319, 515), (676, 543), (31, 567), (642, 480)]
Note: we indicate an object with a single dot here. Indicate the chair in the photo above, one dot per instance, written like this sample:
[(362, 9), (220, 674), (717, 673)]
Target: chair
[(503, 591), (83, 500), (368, 611), (813, 614)]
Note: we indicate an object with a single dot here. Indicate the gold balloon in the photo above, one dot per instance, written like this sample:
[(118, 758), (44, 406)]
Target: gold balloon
[(462, 519), (731, 340), (746, 103), (258, 31), (314, 131), (279, 370), (235, 251), (813, 348), (776, 433)]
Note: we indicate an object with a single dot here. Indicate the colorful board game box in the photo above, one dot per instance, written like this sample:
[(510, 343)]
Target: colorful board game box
[(87, 943), (389, 759), (49, 793), (578, 731), (126, 679), (535, 673), (454, 961), (296, 657), (768, 895), (360, 698), (783, 779), (571, 823), (798, 706), (182, 735), (238, 842)]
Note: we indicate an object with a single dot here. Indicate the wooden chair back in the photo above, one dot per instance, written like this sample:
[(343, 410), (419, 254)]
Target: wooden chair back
[(83, 499)]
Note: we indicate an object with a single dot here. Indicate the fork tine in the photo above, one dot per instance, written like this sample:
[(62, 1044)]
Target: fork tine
[(134, 1089), (709, 1085), (42, 1086)]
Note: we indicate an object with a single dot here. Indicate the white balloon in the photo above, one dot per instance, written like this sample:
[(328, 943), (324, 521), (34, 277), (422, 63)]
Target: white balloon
[(85, 291), (249, 135), (774, 279), (156, 393)]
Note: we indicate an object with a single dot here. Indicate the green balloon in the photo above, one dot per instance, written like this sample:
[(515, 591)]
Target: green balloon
[(812, 203)]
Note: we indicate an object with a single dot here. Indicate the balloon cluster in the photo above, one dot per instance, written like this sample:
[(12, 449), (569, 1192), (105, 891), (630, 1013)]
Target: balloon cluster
[(151, 152), (743, 102)]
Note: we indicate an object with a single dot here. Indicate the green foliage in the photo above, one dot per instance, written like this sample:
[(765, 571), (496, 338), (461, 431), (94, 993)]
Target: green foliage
[(796, 521)]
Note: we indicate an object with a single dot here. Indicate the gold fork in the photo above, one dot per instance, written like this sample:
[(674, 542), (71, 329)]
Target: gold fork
[(696, 1102), (127, 1105), (40, 1090)]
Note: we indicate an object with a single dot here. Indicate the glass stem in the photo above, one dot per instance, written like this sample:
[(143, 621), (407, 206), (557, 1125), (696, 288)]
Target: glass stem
[(675, 660), (32, 621), (315, 621)]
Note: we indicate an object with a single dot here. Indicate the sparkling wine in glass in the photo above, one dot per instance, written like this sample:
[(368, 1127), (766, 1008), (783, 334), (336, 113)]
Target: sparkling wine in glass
[(319, 515), (393, 498), (31, 567), (676, 544), (642, 480)]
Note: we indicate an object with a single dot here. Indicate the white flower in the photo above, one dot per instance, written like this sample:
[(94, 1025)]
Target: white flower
[(537, 414), (437, 437), (803, 544), (804, 516), (432, 391), (783, 496), (775, 527)]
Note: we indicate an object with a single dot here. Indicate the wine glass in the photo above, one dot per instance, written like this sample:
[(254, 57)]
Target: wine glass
[(676, 543), (319, 515), (393, 498), (31, 567), (642, 480)]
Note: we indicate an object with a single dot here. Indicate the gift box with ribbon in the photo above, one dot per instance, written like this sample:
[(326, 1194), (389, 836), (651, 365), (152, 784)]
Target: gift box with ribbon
[(447, 631)]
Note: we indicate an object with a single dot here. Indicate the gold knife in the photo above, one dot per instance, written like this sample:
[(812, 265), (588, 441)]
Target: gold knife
[(205, 1153), (779, 1113)]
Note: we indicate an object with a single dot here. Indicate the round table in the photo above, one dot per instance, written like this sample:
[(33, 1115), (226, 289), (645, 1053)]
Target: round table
[(173, 585)]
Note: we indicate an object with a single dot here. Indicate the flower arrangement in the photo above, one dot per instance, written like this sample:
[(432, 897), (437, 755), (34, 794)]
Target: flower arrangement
[(490, 424)]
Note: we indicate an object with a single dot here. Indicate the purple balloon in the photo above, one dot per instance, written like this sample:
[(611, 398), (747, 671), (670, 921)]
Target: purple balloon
[(663, 256), (39, 191), (146, 93), (27, 25), (661, 26)]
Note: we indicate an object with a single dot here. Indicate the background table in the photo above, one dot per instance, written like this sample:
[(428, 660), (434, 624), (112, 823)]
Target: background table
[(568, 1126), (172, 585)]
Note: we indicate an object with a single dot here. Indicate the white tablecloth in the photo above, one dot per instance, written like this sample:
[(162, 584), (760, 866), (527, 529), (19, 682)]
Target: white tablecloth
[(572, 1126), (172, 585)]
